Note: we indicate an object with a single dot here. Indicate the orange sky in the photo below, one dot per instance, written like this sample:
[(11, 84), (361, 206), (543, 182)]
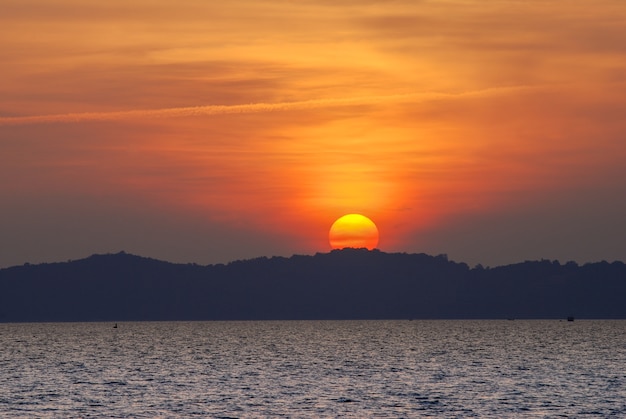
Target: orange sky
[(212, 131)]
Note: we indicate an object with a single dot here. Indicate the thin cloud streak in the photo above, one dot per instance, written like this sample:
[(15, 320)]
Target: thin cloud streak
[(210, 110)]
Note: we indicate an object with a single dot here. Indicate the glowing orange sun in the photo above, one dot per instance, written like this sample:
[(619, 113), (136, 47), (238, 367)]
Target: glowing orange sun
[(353, 230)]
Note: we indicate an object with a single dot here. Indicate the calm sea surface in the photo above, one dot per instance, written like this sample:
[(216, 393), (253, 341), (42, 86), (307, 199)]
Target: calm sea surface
[(314, 369)]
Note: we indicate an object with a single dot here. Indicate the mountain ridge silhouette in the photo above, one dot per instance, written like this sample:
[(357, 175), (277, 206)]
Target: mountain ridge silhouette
[(341, 284)]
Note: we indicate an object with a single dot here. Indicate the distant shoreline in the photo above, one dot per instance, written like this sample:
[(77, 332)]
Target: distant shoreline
[(344, 284)]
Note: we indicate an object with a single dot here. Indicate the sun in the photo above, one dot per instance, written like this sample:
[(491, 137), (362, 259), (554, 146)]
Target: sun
[(353, 230)]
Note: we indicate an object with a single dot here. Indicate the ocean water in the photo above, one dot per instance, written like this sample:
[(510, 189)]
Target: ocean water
[(359, 369)]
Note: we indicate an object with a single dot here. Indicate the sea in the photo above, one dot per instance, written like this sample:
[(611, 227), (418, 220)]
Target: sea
[(314, 369)]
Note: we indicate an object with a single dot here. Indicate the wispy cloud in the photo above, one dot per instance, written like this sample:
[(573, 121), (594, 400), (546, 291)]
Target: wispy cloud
[(210, 110)]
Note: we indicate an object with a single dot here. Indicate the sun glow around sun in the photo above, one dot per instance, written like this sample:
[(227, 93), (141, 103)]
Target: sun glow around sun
[(353, 230)]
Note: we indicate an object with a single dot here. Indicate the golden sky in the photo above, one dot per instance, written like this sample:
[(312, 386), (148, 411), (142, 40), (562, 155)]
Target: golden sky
[(205, 131)]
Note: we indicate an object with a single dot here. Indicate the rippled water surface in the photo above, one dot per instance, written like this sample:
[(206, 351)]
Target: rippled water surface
[(314, 369)]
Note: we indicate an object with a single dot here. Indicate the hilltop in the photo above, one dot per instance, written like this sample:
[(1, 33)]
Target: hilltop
[(342, 284)]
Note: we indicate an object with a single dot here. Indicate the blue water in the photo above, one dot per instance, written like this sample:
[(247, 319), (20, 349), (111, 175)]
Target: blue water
[(314, 369)]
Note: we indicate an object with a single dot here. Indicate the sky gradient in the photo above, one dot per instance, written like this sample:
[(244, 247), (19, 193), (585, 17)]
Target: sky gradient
[(201, 131)]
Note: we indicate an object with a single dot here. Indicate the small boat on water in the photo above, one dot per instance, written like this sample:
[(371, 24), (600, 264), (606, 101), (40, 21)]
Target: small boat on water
[(570, 318)]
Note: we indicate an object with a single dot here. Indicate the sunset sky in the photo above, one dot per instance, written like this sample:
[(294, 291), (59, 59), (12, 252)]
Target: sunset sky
[(206, 131)]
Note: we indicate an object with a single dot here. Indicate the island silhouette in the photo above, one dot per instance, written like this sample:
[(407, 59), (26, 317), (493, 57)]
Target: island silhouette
[(341, 284)]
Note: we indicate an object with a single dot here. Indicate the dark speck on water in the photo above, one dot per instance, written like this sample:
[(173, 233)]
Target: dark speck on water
[(354, 369)]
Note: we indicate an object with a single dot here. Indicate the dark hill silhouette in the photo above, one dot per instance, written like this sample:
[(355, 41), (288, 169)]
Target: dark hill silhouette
[(342, 284)]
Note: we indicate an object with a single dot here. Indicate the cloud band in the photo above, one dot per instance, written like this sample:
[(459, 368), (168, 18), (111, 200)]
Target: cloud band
[(209, 110)]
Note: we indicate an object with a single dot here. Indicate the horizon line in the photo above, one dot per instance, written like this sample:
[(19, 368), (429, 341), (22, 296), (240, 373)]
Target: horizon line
[(362, 249)]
